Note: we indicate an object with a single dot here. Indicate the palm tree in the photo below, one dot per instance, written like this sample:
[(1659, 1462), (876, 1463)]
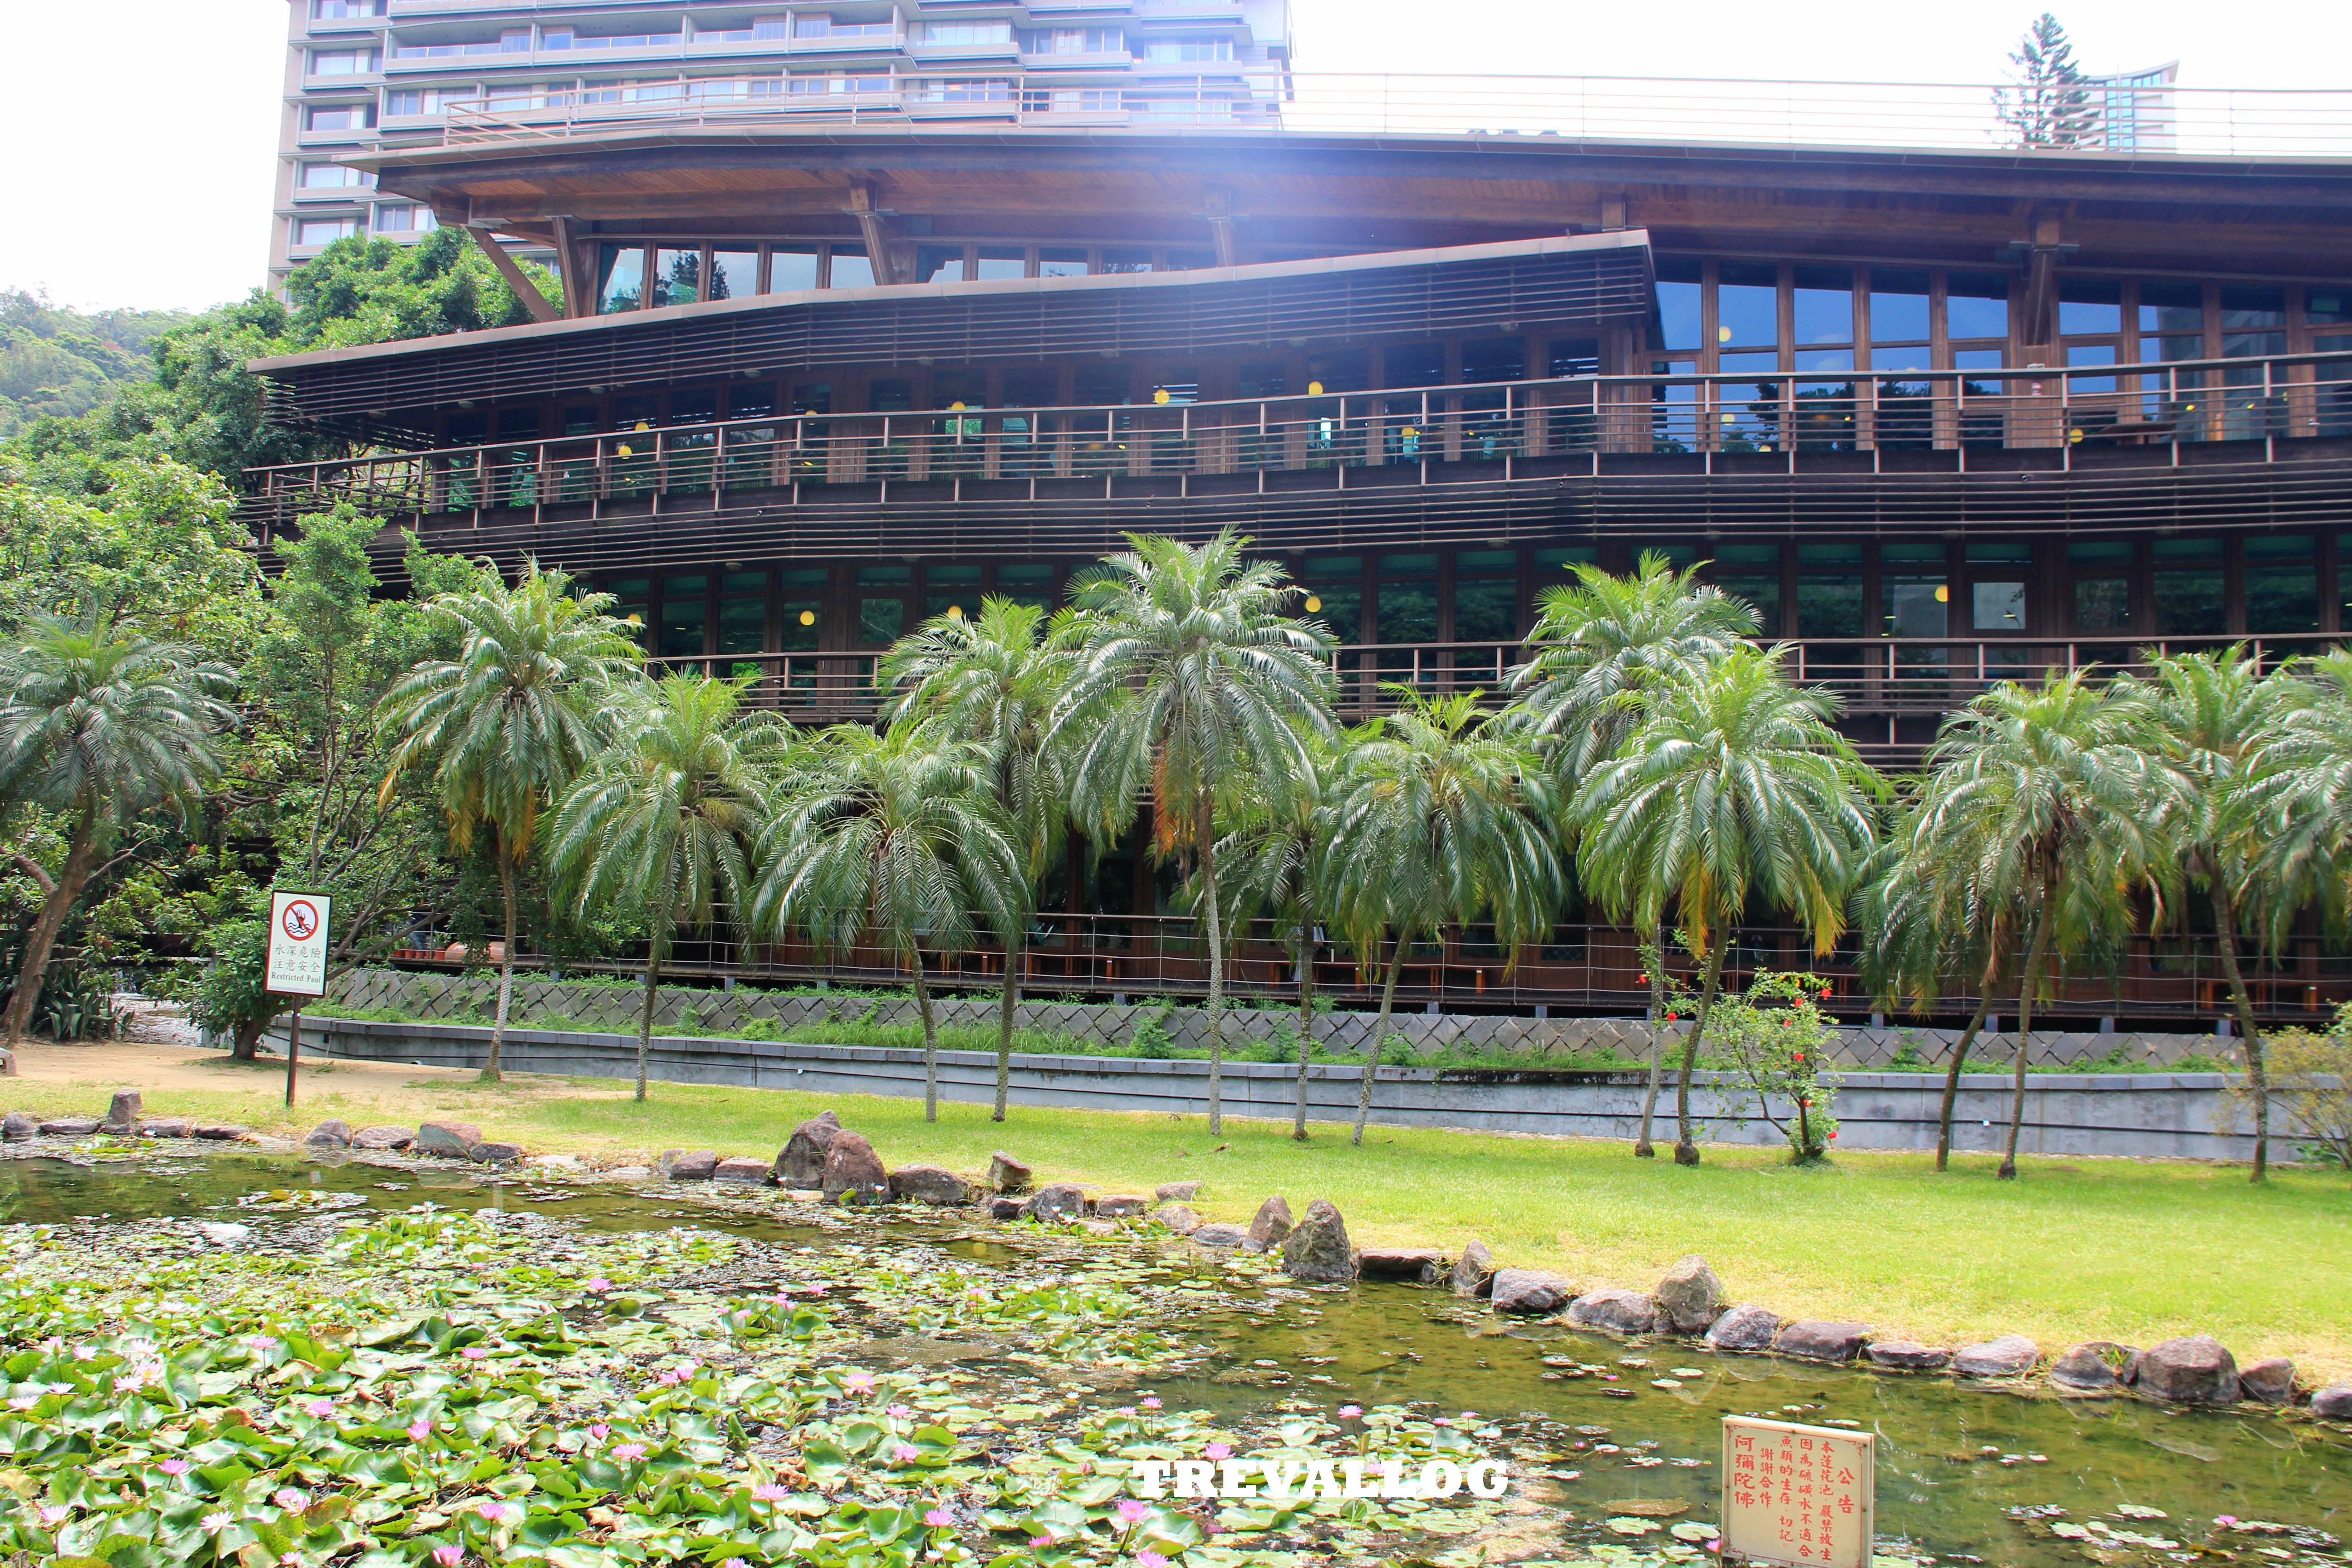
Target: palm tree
[(101, 725), (1191, 685), (506, 724), (2038, 799), (1733, 785), (1440, 822), (662, 818), (899, 835), (1603, 645), (995, 681)]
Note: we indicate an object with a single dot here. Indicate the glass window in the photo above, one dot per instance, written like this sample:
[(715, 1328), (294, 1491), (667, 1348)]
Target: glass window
[(402, 217), (630, 597), (790, 267), (1026, 582), (331, 177), (1997, 606), (734, 274), (2103, 604), (2175, 307), (881, 620), (2080, 550), (1187, 50), (1823, 303), (1912, 607), (1099, 385), (678, 276), (851, 269), (684, 613), (1494, 359), (966, 33), (1486, 596), (2189, 597), (2001, 550), (1752, 573), (1678, 302), (938, 264), (2090, 355), (1116, 259), (1412, 364), (1062, 261), (1748, 305), (2244, 308), (1001, 262), (1898, 306), (1976, 305), (2088, 305), (2281, 583), (620, 277), (324, 230), (1334, 594), (742, 613), (1573, 356), (2327, 307), (342, 117), (1829, 590)]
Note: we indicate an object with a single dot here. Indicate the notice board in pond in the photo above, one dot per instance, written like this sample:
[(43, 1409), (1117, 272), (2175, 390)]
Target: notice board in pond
[(297, 965), (1797, 1495)]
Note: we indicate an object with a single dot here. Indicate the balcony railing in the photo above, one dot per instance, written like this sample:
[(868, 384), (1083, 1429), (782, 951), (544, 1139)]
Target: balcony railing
[(1255, 95), (1428, 436)]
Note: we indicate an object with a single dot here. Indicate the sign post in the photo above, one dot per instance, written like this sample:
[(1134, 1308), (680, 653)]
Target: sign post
[(1797, 1497), (297, 965)]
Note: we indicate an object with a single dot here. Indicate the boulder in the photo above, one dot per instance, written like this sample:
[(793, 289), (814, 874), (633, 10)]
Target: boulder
[(1007, 1174), (1615, 1311), (19, 1127), (1473, 1271), (853, 1172), (1688, 1297), (2090, 1367), (1317, 1247), (1177, 1192), (1530, 1291), (454, 1138), (1056, 1203), (2011, 1356), (2333, 1403), (1399, 1262), (383, 1138), (1907, 1355), (1177, 1217), (223, 1132), (1218, 1234), (1811, 1340), (2270, 1381), (1121, 1205), (687, 1164), (801, 1162), (1746, 1327), (167, 1126), (1003, 1208), (738, 1170), (2194, 1369), (122, 1114), (70, 1126), (934, 1185), (1271, 1224), (332, 1134)]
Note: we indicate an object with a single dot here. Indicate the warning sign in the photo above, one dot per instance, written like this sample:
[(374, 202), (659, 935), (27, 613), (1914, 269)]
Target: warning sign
[(1797, 1495), (297, 945)]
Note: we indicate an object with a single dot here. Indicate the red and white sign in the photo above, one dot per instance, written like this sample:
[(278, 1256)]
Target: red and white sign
[(1799, 1496), (297, 965)]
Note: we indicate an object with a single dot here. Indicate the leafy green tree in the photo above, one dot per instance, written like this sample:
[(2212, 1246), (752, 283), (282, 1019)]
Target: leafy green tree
[(1440, 824), (1733, 786), (664, 814), (2047, 103), (505, 725), (1193, 686), (899, 835), (1775, 1033), (995, 682), (102, 726)]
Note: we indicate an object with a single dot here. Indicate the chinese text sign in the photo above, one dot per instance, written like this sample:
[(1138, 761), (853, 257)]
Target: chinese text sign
[(1797, 1495)]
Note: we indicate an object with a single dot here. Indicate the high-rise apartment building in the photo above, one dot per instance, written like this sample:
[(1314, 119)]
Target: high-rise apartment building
[(369, 75)]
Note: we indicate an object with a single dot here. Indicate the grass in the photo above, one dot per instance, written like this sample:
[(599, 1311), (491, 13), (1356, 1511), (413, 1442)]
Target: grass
[(2079, 1249)]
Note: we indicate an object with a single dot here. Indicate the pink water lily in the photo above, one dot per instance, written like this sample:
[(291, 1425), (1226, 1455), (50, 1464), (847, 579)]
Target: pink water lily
[(1132, 1512), (290, 1499), (769, 1491), (599, 1284), (320, 1407), (628, 1450), (23, 1401), (173, 1466), (448, 1556), (939, 1519), (55, 1512), (419, 1429), (1046, 1539), (905, 1453), (475, 1353), (1217, 1450), (1126, 1410), (1146, 1558), (262, 1342), (218, 1521), (900, 1411), (497, 1513), (1349, 1412), (1151, 1404), (858, 1383)]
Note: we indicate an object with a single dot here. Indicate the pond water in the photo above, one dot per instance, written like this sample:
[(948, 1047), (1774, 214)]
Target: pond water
[(1966, 1474)]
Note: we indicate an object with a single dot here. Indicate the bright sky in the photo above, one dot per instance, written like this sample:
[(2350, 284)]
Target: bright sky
[(144, 130)]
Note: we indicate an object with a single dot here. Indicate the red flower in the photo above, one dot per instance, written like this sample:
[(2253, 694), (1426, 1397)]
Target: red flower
[(1797, 1055), (1671, 1016), (1825, 993), (1833, 1135), (1643, 979)]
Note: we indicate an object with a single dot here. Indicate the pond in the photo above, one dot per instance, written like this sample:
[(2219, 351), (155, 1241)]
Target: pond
[(1023, 1362)]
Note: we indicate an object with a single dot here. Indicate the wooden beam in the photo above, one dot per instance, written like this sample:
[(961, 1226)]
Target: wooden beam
[(541, 307), (1220, 213), (577, 284), (869, 215)]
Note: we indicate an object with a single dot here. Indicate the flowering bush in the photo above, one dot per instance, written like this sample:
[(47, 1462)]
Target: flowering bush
[(1777, 1035)]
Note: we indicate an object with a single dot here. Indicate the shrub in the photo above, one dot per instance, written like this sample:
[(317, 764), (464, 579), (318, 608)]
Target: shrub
[(1151, 1041), (761, 1029), (1778, 1040), (2311, 1086)]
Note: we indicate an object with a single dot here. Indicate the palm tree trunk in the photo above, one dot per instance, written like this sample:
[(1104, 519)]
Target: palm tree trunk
[(1380, 1037), (1952, 1076), (1305, 1025), (1643, 1148), (645, 1018), (506, 971), (2025, 988), (930, 1036), (2225, 940), (82, 855), (1686, 1152), (1012, 999), (1205, 831)]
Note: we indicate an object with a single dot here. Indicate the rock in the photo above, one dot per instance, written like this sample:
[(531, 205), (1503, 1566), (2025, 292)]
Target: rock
[(1121, 1205), (1092, 1226), (223, 1132), (1317, 1247), (1177, 1217), (122, 1115), (221, 1235), (1056, 1203), (853, 1172), (1688, 1297), (1399, 1262), (2194, 1369), (1907, 1355), (1271, 1224), (742, 1170), (2333, 1403), (1003, 1208), (2011, 1356), (933, 1184), (1528, 1291), (383, 1138), (1218, 1234), (1473, 1271), (332, 1134), (687, 1164), (2271, 1382), (801, 1162), (1617, 1311), (18, 1127), (166, 1127), (1007, 1174), (70, 1126), (1815, 1341), (1746, 1327), (1177, 1192), (2091, 1366), (457, 1138)]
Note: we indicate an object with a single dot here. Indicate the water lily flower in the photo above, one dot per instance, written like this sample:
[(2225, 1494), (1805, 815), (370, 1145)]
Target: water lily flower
[(598, 1430), (23, 1401), (1132, 1512), (939, 1519), (858, 1383), (905, 1453), (475, 1353), (628, 1450), (320, 1407), (769, 1491), (1440, 1421), (1217, 1450), (215, 1521), (900, 1411), (53, 1344), (1349, 1412), (290, 1499), (1153, 1403), (262, 1342), (289, 1560), (419, 1429), (734, 1562), (84, 1353), (2225, 1519), (1146, 1558), (448, 1556), (55, 1512), (598, 1285), (496, 1511), (173, 1466)]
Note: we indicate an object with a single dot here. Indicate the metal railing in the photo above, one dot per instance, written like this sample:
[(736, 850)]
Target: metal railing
[(1474, 433), (1225, 98)]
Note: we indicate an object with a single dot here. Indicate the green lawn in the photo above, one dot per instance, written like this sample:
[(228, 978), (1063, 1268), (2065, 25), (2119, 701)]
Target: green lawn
[(2078, 1249)]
